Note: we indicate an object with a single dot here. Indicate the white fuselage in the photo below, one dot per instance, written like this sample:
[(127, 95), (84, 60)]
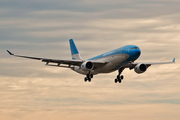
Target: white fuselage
[(115, 59)]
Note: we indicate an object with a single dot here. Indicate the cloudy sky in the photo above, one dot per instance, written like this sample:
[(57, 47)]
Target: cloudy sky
[(30, 90)]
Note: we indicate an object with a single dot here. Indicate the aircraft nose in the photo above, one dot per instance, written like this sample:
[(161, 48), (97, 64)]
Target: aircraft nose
[(137, 52)]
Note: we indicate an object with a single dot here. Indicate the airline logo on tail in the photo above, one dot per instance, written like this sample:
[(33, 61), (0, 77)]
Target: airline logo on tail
[(74, 51)]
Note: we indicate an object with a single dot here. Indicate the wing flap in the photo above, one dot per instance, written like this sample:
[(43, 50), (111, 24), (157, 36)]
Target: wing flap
[(68, 62)]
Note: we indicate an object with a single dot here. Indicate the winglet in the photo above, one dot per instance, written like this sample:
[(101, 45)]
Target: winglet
[(174, 60), (9, 52)]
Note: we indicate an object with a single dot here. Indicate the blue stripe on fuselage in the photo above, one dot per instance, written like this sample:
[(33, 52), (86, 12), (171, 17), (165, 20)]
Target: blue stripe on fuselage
[(131, 50), (123, 50)]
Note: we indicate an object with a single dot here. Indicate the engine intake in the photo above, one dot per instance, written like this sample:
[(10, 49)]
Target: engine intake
[(86, 66), (140, 68)]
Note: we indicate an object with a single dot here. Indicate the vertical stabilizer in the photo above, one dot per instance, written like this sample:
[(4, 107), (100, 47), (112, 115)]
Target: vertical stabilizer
[(74, 52)]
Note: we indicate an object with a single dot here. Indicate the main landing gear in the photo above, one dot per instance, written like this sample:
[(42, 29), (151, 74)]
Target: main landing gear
[(119, 76), (88, 77)]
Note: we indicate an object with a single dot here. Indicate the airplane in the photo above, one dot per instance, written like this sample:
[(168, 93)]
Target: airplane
[(117, 59)]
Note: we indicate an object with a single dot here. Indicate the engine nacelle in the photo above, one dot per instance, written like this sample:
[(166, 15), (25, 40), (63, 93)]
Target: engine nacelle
[(87, 65), (140, 68)]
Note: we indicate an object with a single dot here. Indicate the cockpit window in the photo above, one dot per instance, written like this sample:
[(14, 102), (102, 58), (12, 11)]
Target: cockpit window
[(134, 48)]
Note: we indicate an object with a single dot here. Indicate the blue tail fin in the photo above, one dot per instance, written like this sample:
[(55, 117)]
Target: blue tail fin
[(174, 60), (74, 51)]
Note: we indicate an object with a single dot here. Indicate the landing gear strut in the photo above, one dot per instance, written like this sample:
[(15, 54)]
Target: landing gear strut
[(88, 77), (119, 76)]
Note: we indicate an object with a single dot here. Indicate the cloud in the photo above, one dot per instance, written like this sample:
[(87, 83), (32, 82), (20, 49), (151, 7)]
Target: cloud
[(92, 112)]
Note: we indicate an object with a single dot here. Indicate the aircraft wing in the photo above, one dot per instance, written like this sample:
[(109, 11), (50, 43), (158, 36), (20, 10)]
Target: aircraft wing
[(60, 61), (156, 63), (132, 65)]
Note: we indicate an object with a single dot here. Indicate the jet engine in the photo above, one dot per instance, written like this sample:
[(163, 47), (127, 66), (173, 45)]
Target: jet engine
[(140, 68), (87, 66)]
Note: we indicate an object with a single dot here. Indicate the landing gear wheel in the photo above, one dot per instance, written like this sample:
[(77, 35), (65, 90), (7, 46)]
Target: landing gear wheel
[(89, 79), (85, 79), (91, 75), (118, 77)]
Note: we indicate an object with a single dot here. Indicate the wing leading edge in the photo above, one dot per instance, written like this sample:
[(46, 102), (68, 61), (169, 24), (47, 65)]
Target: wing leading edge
[(156, 63), (61, 61), (148, 64)]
